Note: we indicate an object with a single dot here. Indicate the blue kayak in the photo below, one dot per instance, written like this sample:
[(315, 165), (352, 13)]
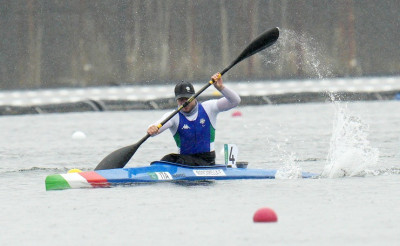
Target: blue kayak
[(158, 171)]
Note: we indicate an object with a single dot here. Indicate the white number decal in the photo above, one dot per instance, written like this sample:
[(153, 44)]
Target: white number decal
[(231, 152)]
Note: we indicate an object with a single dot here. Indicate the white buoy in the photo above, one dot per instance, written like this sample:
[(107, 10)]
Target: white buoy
[(78, 135)]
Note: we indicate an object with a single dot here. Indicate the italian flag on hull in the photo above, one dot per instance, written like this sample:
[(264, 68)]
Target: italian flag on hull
[(75, 180)]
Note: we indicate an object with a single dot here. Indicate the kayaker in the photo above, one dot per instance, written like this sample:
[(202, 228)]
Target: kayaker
[(193, 128)]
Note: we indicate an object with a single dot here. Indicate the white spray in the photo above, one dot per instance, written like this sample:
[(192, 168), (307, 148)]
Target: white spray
[(350, 152), (300, 51), (289, 168)]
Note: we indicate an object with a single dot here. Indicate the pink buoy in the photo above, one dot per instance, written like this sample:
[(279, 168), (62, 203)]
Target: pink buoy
[(265, 215), (236, 114)]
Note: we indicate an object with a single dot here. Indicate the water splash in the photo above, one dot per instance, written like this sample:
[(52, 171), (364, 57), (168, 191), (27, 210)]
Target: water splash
[(350, 152), (289, 169), (299, 54)]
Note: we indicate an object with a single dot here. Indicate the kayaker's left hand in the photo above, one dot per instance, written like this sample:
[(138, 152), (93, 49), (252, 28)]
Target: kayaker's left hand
[(218, 83), (153, 130)]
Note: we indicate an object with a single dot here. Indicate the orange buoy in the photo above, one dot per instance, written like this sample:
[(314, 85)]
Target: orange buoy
[(265, 215)]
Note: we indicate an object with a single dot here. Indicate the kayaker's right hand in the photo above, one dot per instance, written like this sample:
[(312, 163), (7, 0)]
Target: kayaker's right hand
[(152, 130)]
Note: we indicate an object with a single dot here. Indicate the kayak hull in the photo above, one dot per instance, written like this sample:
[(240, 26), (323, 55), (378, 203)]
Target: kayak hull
[(158, 171)]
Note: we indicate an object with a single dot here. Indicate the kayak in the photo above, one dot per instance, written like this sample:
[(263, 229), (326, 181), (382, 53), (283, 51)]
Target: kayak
[(158, 171)]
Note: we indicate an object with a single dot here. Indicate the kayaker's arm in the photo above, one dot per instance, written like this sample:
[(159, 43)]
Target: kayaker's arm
[(230, 100), (153, 129)]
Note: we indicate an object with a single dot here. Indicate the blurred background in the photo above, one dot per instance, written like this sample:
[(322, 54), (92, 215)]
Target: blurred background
[(55, 43)]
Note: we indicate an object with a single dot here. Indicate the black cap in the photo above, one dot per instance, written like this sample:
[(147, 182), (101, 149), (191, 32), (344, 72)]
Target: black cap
[(184, 89)]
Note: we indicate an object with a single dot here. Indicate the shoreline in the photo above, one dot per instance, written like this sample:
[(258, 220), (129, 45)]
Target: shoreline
[(169, 103), (140, 97)]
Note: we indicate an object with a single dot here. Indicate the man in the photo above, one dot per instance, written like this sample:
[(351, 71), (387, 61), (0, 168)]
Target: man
[(193, 128)]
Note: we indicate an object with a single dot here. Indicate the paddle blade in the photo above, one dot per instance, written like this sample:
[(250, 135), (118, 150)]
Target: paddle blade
[(119, 158), (263, 41)]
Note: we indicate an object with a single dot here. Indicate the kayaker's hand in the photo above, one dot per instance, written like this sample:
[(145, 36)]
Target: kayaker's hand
[(152, 130), (218, 84)]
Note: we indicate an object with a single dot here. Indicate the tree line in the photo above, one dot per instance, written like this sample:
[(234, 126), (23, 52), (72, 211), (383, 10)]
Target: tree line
[(78, 43)]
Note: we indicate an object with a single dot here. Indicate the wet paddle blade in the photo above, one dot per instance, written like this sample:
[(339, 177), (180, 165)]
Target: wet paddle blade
[(262, 42), (119, 158)]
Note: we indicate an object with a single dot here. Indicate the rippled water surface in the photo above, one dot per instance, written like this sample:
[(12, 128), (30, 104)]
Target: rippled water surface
[(355, 202)]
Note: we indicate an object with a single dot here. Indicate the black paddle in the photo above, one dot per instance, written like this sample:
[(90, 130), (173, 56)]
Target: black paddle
[(120, 157)]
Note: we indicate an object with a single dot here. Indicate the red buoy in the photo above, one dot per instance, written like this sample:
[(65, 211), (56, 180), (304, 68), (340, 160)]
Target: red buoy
[(265, 215), (236, 114)]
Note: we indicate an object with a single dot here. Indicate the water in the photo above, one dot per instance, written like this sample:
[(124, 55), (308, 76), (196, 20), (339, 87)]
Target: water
[(355, 202), (296, 52)]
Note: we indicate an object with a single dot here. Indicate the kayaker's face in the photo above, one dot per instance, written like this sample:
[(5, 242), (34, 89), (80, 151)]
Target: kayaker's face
[(189, 107)]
